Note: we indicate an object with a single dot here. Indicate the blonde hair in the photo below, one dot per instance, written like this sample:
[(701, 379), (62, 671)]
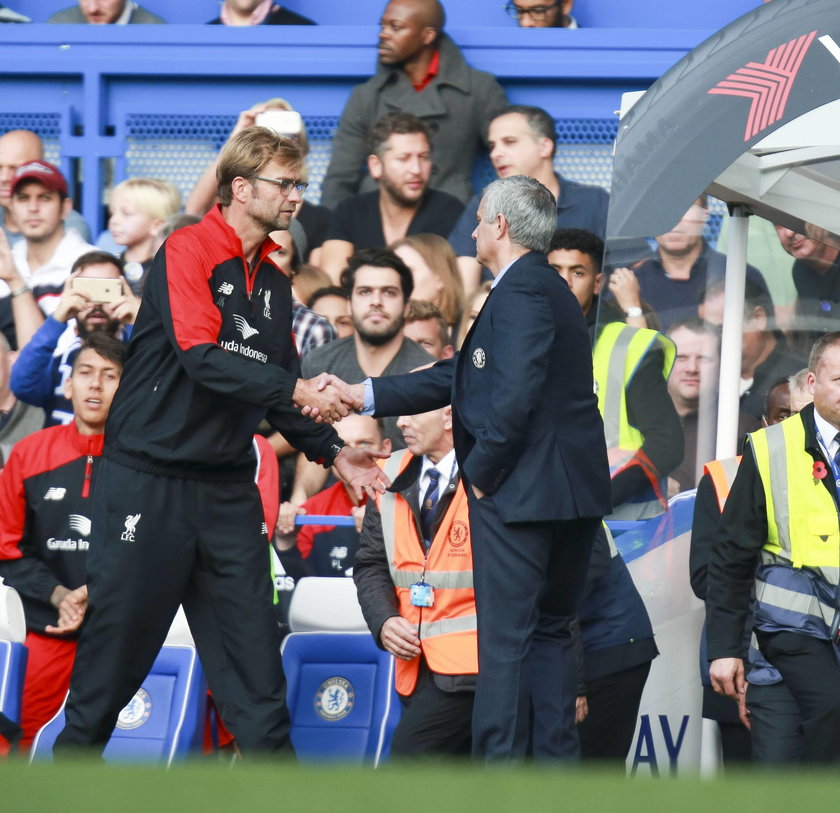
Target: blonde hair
[(154, 198), (440, 257), (247, 153)]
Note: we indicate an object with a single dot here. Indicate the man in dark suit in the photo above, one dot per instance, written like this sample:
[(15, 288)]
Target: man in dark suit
[(530, 446)]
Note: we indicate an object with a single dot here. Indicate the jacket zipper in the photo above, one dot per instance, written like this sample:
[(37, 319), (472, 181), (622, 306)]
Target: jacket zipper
[(88, 473)]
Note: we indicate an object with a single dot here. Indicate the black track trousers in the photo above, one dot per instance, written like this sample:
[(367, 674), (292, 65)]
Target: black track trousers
[(158, 542)]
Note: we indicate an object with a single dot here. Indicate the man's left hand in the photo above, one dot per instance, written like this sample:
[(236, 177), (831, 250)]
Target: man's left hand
[(358, 468), (479, 494), (71, 612)]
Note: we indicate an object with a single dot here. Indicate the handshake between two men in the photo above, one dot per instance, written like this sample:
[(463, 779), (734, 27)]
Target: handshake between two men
[(327, 399)]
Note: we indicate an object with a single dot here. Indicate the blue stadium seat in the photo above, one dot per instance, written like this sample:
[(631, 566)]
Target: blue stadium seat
[(13, 653), (341, 696), (163, 721), (634, 539)]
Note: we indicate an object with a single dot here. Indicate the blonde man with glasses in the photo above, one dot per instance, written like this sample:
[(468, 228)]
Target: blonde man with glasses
[(177, 516)]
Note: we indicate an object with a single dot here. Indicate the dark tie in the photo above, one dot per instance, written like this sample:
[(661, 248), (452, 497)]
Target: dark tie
[(427, 509), (837, 453)]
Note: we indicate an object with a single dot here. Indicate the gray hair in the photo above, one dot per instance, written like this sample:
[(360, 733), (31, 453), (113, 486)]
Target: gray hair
[(820, 346), (528, 207), (798, 382)]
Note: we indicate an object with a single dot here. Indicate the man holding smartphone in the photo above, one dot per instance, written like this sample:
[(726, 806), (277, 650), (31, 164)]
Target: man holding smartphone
[(45, 362)]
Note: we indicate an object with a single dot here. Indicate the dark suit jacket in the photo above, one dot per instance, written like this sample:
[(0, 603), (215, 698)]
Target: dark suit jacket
[(526, 423)]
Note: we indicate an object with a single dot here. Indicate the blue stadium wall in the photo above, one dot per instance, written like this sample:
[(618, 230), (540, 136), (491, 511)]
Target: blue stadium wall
[(113, 102)]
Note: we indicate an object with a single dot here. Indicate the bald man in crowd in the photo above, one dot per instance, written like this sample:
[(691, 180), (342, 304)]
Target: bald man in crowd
[(19, 147), (423, 72)]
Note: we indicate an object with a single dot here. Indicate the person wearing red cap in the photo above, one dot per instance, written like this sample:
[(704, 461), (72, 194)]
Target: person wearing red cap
[(42, 260)]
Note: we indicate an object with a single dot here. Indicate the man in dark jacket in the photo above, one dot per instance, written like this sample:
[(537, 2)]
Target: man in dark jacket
[(530, 447), (177, 517), (421, 71)]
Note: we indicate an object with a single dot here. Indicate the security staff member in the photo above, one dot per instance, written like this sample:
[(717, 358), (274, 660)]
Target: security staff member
[(413, 572), (784, 506), (631, 365)]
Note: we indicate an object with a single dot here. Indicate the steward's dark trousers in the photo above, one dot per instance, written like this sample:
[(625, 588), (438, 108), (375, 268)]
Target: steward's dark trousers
[(434, 723), (776, 724), (810, 670), (158, 542), (528, 580)]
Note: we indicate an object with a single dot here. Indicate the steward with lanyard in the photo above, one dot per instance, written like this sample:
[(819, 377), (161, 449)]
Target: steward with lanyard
[(784, 506), (413, 572)]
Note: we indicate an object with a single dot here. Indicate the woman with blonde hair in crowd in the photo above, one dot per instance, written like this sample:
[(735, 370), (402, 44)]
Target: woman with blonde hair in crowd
[(434, 268)]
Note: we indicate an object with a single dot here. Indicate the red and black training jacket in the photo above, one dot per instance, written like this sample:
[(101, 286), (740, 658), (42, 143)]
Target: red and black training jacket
[(211, 355), (45, 512)]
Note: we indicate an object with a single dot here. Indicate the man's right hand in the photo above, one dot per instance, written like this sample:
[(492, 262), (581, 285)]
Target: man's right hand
[(70, 302), (286, 517), (400, 638), (727, 676), (325, 398)]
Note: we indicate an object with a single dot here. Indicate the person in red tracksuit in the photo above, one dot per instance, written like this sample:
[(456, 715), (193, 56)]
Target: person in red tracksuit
[(45, 527)]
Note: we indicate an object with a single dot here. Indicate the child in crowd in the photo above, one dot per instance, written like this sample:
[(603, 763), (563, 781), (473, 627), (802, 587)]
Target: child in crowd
[(139, 207)]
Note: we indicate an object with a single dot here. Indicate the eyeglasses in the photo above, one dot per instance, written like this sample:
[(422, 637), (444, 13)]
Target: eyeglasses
[(286, 184), (537, 13)]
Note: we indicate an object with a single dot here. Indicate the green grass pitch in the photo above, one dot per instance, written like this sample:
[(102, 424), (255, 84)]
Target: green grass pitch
[(208, 787)]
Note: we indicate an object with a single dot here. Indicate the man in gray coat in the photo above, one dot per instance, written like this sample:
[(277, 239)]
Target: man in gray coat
[(421, 71), (104, 12)]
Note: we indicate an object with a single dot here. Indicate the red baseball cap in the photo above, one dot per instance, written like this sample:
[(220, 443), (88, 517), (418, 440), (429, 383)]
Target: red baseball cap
[(42, 172)]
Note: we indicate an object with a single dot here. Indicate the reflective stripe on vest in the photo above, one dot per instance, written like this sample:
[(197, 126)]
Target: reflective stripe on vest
[(722, 473), (796, 582), (447, 630), (618, 352), (802, 521)]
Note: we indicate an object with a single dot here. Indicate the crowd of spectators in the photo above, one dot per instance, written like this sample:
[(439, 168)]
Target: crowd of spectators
[(385, 279)]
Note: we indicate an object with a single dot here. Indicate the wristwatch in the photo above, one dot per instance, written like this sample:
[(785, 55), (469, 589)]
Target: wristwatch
[(634, 312), (335, 448)]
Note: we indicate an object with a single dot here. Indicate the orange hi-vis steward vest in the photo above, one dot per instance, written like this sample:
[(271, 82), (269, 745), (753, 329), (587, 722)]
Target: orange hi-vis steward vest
[(723, 473), (447, 630)]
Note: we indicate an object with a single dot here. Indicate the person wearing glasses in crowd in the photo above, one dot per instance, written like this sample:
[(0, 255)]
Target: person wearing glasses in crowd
[(177, 517), (542, 14)]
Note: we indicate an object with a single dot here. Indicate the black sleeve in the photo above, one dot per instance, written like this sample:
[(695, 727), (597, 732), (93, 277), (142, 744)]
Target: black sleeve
[(741, 534), (577, 639), (704, 528), (30, 577), (651, 410), (599, 561), (340, 224), (371, 574)]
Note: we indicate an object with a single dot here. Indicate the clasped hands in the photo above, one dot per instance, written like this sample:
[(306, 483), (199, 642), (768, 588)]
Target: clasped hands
[(326, 398)]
